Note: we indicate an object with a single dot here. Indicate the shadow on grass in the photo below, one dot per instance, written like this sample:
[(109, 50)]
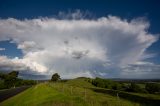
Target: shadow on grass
[(144, 101)]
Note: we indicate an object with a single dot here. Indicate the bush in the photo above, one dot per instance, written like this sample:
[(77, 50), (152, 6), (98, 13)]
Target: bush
[(105, 83), (152, 87), (109, 84), (116, 86), (2, 84), (133, 87)]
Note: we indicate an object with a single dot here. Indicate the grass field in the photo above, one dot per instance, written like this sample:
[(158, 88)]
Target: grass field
[(75, 92)]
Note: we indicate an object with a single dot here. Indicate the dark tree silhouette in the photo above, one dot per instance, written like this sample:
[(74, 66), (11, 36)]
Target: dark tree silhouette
[(55, 77), (11, 79), (13, 74), (152, 87)]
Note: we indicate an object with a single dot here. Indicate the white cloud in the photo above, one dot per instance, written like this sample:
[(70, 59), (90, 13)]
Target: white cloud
[(8, 64), (141, 70), (1, 49), (26, 45), (20, 64), (70, 47)]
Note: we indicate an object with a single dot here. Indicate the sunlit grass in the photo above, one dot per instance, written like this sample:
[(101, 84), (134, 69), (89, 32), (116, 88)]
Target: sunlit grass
[(72, 93)]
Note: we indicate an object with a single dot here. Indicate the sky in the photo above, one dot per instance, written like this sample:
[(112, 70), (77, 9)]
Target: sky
[(103, 38)]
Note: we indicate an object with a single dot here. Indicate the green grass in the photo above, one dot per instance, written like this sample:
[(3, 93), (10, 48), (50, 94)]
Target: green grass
[(80, 82), (40, 95), (141, 85), (71, 93)]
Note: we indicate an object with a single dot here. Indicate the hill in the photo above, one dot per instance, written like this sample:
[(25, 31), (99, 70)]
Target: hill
[(76, 92)]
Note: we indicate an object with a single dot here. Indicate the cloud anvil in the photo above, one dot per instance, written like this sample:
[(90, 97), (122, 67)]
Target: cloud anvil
[(78, 47)]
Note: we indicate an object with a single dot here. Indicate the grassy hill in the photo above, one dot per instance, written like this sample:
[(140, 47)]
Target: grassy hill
[(74, 92), (80, 82)]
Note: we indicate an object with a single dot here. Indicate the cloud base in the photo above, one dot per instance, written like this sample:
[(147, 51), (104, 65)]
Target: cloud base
[(105, 47)]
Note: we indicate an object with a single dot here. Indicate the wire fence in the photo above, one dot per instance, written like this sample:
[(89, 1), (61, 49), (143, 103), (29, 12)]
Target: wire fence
[(86, 94)]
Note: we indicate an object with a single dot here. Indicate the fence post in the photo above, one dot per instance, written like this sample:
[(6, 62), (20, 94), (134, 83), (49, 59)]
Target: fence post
[(117, 96), (118, 99)]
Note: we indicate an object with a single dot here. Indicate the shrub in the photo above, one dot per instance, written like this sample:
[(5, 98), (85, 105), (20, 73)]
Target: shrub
[(133, 87), (152, 87), (2, 85), (105, 83), (116, 86)]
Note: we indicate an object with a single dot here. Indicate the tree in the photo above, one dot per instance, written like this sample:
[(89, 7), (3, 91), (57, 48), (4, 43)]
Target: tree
[(103, 83), (11, 78), (13, 74), (55, 77), (152, 87), (2, 76), (116, 86), (133, 87)]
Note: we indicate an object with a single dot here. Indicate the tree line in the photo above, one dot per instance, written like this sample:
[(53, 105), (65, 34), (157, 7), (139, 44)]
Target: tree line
[(110, 84), (150, 87), (11, 80)]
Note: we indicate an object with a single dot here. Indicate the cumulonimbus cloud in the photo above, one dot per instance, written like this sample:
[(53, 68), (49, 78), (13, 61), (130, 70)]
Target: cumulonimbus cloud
[(80, 47)]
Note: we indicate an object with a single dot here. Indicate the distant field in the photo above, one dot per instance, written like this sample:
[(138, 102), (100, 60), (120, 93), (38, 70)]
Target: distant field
[(75, 92)]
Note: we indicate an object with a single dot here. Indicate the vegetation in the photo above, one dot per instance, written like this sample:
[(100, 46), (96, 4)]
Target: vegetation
[(128, 87), (55, 77), (105, 83), (152, 87), (11, 80), (133, 87), (64, 94), (83, 92)]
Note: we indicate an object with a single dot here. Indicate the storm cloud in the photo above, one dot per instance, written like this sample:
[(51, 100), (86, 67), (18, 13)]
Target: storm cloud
[(78, 47)]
